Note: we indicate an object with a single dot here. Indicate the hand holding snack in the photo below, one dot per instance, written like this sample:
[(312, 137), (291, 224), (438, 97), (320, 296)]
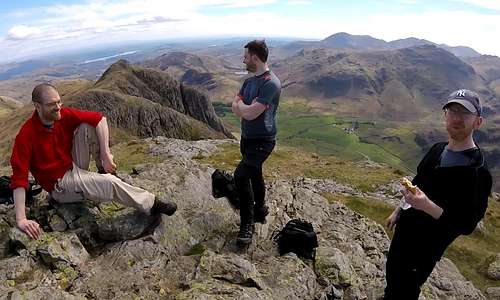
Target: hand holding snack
[(413, 196), (408, 185)]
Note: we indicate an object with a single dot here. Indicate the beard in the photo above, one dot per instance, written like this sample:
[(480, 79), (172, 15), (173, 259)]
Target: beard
[(251, 67), (52, 115), (458, 133)]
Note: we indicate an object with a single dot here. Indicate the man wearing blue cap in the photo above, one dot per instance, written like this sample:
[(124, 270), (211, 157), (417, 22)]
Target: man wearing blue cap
[(453, 184)]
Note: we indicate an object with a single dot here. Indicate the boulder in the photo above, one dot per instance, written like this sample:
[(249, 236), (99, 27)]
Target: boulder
[(493, 292), (494, 268)]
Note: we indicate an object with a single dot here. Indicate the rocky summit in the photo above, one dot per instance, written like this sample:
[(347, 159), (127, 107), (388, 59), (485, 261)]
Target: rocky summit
[(105, 251)]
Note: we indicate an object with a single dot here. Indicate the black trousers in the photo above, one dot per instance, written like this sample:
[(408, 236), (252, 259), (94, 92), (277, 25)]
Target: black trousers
[(250, 185), (409, 264)]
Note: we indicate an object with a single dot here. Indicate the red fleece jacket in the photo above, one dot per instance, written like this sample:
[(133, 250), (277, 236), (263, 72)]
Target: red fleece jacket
[(46, 152)]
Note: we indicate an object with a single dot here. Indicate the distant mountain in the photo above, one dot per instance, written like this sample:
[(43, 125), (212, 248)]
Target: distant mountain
[(16, 69), (487, 66), (394, 84), (343, 40), (9, 103), (461, 51), (139, 101), (346, 41), (408, 42), (8, 106), (213, 74), (189, 68), (149, 102)]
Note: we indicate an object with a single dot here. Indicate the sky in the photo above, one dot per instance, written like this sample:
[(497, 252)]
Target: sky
[(30, 28)]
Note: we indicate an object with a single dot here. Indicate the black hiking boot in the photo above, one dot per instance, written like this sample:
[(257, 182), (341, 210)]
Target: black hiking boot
[(163, 206), (245, 235), (260, 214)]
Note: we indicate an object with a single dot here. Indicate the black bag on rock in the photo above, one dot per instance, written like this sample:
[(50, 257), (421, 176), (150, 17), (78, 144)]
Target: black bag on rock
[(6, 193), (297, 236), (223, 186)]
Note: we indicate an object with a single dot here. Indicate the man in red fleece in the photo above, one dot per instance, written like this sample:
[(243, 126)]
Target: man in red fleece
[(55, 145)]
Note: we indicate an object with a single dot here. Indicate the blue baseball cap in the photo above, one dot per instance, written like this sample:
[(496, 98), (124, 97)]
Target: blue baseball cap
[(467, 99)]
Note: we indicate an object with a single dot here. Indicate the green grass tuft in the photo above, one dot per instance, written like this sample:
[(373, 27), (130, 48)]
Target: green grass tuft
[(130, 154), (287, 162)]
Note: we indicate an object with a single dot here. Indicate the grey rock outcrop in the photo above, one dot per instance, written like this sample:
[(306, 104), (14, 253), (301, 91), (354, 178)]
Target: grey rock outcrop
[(192, 254), (494, 268), (493, 292)]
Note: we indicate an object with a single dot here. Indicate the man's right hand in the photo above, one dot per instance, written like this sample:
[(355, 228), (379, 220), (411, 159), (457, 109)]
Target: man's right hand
[(108, 164), (31, 228), (234, 105)]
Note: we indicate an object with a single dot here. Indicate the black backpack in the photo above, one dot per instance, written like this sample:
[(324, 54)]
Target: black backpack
[(223, 186), (6, 193), (297, 236)]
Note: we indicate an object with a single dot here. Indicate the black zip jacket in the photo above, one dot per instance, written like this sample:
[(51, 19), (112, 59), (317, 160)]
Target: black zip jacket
[(461, 191)]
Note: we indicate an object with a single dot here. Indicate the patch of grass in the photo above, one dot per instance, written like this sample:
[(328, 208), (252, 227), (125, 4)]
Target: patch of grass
[(227, 157), (11, 283), (109, 209), (375, 210), (4, 112), (127, 155), (302, 125), (472, 254), (196, 250), (287, 162), (45, 239)]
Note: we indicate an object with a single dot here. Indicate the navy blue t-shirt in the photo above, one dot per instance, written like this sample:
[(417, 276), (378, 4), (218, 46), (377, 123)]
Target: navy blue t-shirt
[(450, 158), (266, 89)]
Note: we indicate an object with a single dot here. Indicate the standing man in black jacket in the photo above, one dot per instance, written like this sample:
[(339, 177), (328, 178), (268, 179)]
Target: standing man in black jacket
[(256, 104), (453, 185)]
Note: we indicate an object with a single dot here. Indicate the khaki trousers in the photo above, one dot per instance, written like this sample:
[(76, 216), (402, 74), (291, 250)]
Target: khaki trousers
[(79, 184)]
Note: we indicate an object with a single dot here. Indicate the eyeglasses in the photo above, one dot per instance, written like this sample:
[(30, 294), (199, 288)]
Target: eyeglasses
[(458, 113), (51, 104)]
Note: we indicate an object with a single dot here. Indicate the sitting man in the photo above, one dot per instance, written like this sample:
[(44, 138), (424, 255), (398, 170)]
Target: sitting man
[(55, 145)]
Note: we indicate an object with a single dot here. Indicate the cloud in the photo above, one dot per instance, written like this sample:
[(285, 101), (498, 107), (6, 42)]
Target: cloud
[(107, 17), (68, 26), (489, 4), (409, 2), (94, 22), (299, 2), (158, 19), (240, 4), (454, 28), (22, 32)]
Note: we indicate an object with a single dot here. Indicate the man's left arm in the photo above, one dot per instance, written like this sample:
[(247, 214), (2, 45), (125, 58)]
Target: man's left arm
[(102, 131)]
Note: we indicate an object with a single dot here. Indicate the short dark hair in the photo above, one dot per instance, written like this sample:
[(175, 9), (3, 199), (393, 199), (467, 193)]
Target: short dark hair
[(40, 90), (259, 48)]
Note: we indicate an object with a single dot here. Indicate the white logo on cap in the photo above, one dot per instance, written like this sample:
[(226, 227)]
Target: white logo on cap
[(461, 93)]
